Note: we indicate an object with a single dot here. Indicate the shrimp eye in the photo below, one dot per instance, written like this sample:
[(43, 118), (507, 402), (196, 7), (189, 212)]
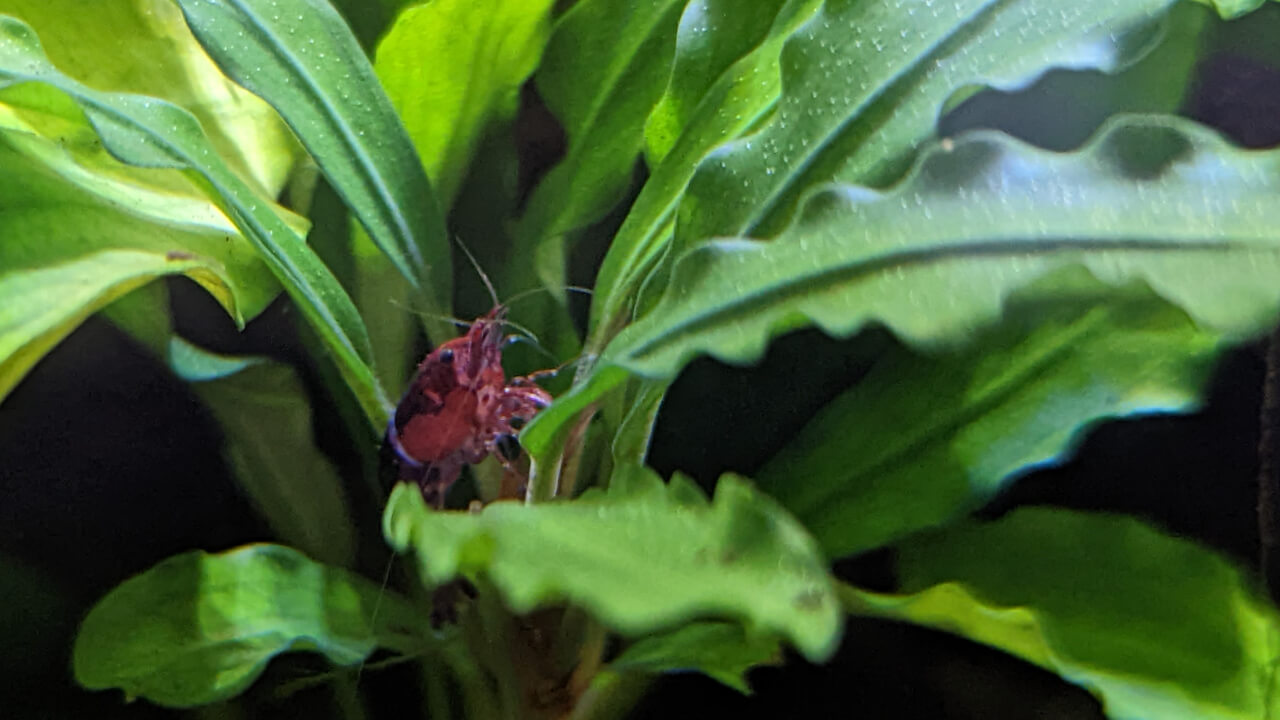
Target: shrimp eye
[(508, 447), (446, 356), (516, 422)]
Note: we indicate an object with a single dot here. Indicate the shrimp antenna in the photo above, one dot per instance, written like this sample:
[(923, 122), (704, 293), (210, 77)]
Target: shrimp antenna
[(531, 291), (435, 316), (479, 271)]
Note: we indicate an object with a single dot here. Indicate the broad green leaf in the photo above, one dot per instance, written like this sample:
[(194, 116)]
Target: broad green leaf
[(864, 82), (446, 111), (83, 40), (199, 628), (722, 651), (923, 439), (265, 417), (641, 557), (1155, 626), (601, 86), (934, 259), (301, 57), (742, 94), (148, 132), (39, 307)]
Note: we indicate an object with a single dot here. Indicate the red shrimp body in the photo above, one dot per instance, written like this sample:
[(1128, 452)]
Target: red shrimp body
[(458, 407)]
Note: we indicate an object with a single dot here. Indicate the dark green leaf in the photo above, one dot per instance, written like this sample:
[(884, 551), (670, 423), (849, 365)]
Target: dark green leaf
[(147, 132), (199, 628), (641, 557), (935, 258), (743, 93), (1156, 626), (265, 417), (601, 85), (301, 57), (923, 439), (864, 82), (719, 650)]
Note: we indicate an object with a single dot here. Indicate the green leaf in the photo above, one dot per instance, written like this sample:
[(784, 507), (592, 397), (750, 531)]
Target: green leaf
[(265, 417), (864, 82), (148, 132), (722, 651), (39, 307), (302, 58), (712, 35), (1155, 626), (738, 99), (923, 439), (83, 40), (1231, 9), (446, 111), (199, 628), (641, 557), (601, 85), (935, 258)]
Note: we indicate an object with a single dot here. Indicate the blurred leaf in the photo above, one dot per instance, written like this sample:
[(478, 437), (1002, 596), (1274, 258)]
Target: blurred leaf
[(265, 417), (601, 86), (39, 307), (83, 40), (722, 651), (1155, 626), (446, 112), (199, 628), (1231, 9), (641, 557), (935, 258), (302, 58), (921, 440), (148, 132), (864, 82)]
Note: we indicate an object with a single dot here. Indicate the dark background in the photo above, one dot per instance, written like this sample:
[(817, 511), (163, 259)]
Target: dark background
[(108, 465)]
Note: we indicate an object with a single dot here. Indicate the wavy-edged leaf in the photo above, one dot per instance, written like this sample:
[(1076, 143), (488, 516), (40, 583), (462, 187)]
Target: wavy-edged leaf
[(722, 651), (935, 258), (300, 56), (601, 86), (692, 125), (1155, 626), (923, 439), (198, 628), (148, 132), (446, 111), (864, 82), (265, 417), (40, 307), (641, 557), (83, 40)]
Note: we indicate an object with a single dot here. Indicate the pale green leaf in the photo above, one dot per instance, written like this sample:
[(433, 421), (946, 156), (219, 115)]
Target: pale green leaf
[(199, 628), (148, 132), (722, 651), (1155, 626), (447, 111), (641, 557)]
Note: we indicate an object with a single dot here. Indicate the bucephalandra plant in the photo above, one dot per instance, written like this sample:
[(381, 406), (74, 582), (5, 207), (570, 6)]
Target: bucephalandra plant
[(794, 176)]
